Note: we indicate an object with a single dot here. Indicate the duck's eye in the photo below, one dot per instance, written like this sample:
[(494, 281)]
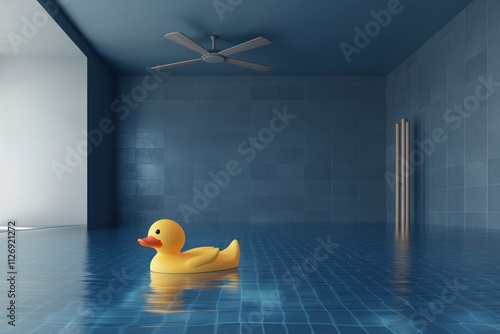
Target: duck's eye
[(157, 231)]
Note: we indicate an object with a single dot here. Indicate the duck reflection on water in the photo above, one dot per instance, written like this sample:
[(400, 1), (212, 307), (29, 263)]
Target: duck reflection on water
[(167, 292)]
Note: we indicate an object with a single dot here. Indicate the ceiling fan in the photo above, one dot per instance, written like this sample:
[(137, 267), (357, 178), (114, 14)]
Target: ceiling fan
[(213, 55)]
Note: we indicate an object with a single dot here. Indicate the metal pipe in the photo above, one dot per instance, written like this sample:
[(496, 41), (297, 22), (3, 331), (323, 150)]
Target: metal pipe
[(403, 171), (397, 176), (407, 174), (402, 177)]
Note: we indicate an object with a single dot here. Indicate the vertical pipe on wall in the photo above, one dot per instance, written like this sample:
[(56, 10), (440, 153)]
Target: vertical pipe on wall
[(403, 172), (402, 177), (407, 174), (397, 177)]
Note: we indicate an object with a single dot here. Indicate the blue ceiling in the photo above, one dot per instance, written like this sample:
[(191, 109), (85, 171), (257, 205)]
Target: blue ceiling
[(306, 36)]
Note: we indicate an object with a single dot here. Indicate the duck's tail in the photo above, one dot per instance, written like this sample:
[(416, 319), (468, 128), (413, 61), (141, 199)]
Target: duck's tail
[(233, 252)]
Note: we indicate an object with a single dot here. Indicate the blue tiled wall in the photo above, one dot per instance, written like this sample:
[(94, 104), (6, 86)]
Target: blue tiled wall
[(457, 183), (326, 165)]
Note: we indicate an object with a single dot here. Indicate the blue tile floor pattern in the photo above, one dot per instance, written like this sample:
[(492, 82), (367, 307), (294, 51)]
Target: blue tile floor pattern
[(302, 278)]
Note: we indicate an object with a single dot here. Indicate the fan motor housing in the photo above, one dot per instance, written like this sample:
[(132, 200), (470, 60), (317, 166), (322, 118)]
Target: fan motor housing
[(213, 58)]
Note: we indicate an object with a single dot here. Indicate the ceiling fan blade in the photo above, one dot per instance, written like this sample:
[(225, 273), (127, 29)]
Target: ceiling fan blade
[(252, 44), (174, 65), (187, 42), (247, 64)]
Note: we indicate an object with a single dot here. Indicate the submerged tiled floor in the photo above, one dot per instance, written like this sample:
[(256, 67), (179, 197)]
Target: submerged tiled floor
[(292, 279)]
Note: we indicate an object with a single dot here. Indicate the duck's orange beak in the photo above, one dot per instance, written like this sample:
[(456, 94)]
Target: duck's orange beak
[(150, 241)]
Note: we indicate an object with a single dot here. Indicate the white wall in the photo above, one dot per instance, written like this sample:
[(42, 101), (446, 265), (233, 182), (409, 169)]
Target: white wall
[(43, 110)]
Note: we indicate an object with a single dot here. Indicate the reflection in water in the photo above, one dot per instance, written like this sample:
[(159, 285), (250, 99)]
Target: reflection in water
[(401, 253), (167, 293)]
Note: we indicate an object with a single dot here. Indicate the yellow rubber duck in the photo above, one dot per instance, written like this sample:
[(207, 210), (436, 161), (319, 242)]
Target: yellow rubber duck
[(167, 237)]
